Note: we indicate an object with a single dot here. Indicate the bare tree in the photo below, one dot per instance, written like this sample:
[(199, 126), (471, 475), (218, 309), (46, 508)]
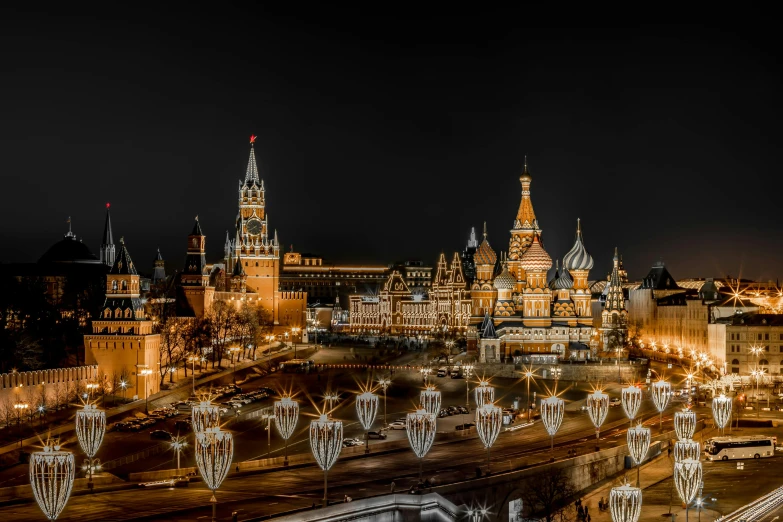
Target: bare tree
[(222, 318), (8, 412), (172, 346), (547, 495)]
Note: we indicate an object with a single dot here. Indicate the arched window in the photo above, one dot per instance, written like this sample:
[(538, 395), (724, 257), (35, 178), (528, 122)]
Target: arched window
[(124, 285), (127, 313), (735, 362), (114, 286), (107, 313), (764, 362), (118, 313)]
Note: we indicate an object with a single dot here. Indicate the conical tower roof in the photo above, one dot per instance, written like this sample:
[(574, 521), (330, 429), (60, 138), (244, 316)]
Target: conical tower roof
[(484, 254), (108, 237), (251, 175), (197, 229), (123, 265)]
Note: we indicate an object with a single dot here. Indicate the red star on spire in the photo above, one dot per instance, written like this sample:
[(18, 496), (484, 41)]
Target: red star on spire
[(253, 138), (108, 205)]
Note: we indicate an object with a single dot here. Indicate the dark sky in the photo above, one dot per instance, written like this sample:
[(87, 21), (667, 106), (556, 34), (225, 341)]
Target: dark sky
[(383, 138)]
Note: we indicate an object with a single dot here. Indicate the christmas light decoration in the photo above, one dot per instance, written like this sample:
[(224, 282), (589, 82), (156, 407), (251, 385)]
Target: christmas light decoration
[(326, 442), (625, 503), (52, 473), (489, 419), (661, 393), (597, 408), (205, 415), (90, 428), (367, 409), (430, 400), (638, 439), (631, 398), (214, 451), (286, 417), (686, 449), (421, 433), (721, 411), (552, 409), (484, 394), (685, 424), (687, 479)]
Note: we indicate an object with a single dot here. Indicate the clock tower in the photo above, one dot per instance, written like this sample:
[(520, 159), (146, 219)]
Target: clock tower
[(252, 246)]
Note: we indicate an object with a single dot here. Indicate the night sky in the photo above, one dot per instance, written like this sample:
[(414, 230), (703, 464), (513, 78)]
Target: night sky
[(384, 138)]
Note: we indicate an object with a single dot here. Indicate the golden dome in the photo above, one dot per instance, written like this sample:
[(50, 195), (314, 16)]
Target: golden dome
[(535, 258)]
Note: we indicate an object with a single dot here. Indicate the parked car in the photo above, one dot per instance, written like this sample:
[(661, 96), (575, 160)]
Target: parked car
[(397, 425), (376, 435), (442, 372), (453, 410), (183, 425), (463, 409), (160, 435), (351, 441), (456, 374), (444, 413), (614, 401), (466, 426)]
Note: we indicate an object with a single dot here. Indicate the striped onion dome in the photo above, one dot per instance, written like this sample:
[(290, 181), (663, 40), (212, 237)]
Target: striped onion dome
[(484, 254), (535, 257), (553, 281), (577, 258), (564, 282), (504, 280)]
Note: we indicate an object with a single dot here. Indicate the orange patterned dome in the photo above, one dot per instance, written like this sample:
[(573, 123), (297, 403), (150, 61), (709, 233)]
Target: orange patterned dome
[(535, 258), (484, 254)]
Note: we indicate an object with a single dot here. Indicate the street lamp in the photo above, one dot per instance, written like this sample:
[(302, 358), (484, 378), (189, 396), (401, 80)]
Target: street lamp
[(484, 394), (90, 386), (330, 397), (430, 400), (146, 372), (326, 439), (294, 332), (384, 383), (468, 371), (286, 417), (489, 418), (625, 503), (661, 393), (52, 473), (552, 409), (367, 409), (214, 452), (685, 424), (192, 359), (758, 374), (638, 439), (178, 444), (597, 408), (687, 479), (425, 373), (421, 433), (124, 386), (529, 373), (20, 407), (721, 411), (631, 398), (234, 350), (204, 415), (90, 428)]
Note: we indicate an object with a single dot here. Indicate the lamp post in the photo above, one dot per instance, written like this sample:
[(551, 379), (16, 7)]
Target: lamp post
[(52, 473), (367, 409), (286, 417), (597, 408), (330, 397), (214, 452), (687, 479), (430, 400), (294, 332), (425, 373), (204, 416), (638, 439), (90, 428), (20, 407), (552, 409), (90, 386), (685, 424), (234, 351), (124, 386), (421, 433), (631, 398), (528, 375), (489, 418), (468, 371), (384, 383), (145, 372), (661, 393), (326, 438), (757, 374), (625, 503), (192, 359), (484, 394), (178, 444), (721, 411)]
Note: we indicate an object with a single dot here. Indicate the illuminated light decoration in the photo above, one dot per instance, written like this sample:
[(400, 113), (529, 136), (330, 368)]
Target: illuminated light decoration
[(204, 416), (625, 503), (326, 442), (489, 419), (90, 428), (484, 394), (685, 424), (52, 473), (597, 408), (686, 449), (253, 138), (366, 410), (687, 480), (430, 400), (286, 417), (721, 411), (631, 398), (638, 439), (214, 451), (661, 394), (552, 409), (421, 433)]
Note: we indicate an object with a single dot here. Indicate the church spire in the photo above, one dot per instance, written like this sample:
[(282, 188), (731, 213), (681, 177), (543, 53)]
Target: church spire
[(526, 217), (107, 252), (251, 175), (615, 300)]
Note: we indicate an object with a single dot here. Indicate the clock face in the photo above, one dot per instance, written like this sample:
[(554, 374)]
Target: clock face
[(254, 227)]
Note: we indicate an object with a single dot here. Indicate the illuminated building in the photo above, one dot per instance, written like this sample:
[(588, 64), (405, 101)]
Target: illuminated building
[(250, 272), (614, 318), (468, 265), (532, 317), (745, 342), (397, 310)]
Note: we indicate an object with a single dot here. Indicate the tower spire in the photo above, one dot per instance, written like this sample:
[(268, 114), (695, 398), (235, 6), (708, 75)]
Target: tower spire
[(251, 175), (107, 252), (485, 230)]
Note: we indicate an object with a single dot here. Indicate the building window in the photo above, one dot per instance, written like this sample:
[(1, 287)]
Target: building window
[(735, 362)]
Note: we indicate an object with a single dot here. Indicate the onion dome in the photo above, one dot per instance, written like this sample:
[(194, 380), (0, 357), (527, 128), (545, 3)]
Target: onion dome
[(525, 177), (504, 281), (577, 258), (535, 258), (557, 275), (564, 282), (484, 254)]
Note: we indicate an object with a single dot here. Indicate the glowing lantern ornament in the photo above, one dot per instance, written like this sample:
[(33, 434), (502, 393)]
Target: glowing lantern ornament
[(52, 473), (421, 433), (326, 442), (205, 415), (286, 418), (661, 393), (552, 409), (687, 479), (489, 419), (214, 450), (597, 408), (430, 400), (367, 409), (721, 411), (625, 503), (638, 439), (685, 424), (484, 394), (686, 450), (631, 398), (90, 428)]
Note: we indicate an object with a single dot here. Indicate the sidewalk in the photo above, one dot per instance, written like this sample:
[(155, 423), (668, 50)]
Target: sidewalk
[(653, 473)]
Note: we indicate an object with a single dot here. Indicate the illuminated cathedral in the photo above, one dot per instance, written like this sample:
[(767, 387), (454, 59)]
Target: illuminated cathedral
[(517, 310)]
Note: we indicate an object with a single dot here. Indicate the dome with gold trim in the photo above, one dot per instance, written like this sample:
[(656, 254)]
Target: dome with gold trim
[(577, 258), (535, 258), (484, 254), (504, 281)]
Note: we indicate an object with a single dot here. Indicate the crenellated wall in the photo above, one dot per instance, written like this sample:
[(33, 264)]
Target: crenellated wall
[(16, 386)]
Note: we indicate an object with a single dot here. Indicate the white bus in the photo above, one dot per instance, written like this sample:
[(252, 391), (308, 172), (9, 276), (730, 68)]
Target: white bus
[(744, 447)]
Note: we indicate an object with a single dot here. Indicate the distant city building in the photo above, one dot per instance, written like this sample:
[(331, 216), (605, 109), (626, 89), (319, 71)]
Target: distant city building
[(746, 342), (468, 265), (614, 318)]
